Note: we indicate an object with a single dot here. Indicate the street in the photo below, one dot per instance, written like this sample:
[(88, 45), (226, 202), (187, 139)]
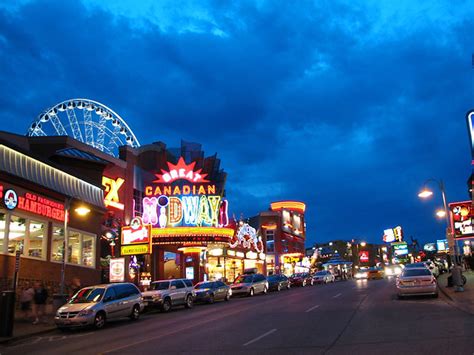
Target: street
[(357, 317)]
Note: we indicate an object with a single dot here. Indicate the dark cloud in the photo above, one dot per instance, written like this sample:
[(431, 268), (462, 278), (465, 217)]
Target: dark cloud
[(349, 108)]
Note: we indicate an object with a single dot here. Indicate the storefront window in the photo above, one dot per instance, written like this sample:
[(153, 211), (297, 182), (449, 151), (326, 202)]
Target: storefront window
[(57, 245), (74, 247), (270, 246), (270, 234), (88, 250), (2, 230), (16, 234), (36, 239)]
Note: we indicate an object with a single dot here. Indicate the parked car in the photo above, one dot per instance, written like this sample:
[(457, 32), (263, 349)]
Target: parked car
[(301, 279), (278, 282), (210, 291), (249, 285), (416, 281), (95, 305), (167, 294), (362, 273), (323, 277)]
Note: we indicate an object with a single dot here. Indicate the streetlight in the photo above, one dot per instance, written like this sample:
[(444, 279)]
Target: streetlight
[(363, 244), (425, 193)]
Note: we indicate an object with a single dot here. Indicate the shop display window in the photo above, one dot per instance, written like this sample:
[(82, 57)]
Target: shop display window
[(88, 250), (74, 247), (57, 245), (36, 239), (16, 234), (2, 230)]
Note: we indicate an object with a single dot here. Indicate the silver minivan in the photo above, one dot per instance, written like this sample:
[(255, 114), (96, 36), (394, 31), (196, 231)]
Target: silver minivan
[(94, 305), (249, 285)]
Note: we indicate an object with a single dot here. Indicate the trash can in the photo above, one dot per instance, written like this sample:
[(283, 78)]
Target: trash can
[(7, 310), (58, 301)]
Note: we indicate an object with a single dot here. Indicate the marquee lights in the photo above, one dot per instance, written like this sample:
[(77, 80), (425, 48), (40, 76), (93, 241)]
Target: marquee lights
[(289, 205), (190, 250), (181, 171), (192, 232)]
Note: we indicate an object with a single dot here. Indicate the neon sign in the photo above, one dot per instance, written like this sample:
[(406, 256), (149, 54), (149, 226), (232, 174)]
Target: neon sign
[(136, 233), (181, 171), (247, 237), (191, 202), (41, 206), (364, 256), (112, 188)]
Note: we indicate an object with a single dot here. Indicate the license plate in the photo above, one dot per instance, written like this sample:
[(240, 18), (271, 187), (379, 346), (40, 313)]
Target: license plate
[(409, 283)]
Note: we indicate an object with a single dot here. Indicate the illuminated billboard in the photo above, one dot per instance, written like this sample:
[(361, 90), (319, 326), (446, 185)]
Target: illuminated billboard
[(393, 235), (182, 196), (400, 249), (462, 218), (442, 245)]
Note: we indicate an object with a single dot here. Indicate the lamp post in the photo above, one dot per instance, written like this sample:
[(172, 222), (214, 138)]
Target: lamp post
[(425, 193)]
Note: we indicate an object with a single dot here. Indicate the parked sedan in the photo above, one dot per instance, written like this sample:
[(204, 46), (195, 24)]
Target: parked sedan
[(210, 291), (278, 282), (249, 285), (416, 281), (301, 279), (323, 277)]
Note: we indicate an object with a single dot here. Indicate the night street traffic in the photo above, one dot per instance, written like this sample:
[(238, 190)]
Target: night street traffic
[(345, 317)]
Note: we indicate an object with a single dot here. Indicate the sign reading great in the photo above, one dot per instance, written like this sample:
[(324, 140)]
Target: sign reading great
[(183, 196)]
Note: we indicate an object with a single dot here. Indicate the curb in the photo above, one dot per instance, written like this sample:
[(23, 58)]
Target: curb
[(452, 302), (6, 341)]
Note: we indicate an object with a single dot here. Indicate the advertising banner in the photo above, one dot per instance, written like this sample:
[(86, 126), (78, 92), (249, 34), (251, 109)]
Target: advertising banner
[(462, 218), (117, 270)]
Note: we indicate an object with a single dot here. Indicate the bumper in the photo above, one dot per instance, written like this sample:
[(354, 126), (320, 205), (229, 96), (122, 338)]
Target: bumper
[(417, 290), (75, 322), (241, 291), (152, 302), (201, 298)]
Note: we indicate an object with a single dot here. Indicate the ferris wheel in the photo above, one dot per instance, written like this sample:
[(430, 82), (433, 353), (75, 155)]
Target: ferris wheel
[(87, 121)]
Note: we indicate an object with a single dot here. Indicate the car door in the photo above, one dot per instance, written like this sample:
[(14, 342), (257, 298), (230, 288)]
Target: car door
[(221, 290), (178, 293), (123, 294), (111, 303)]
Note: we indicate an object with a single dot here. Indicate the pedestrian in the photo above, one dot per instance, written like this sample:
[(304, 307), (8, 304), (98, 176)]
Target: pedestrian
[(26, 297), (39, 301)]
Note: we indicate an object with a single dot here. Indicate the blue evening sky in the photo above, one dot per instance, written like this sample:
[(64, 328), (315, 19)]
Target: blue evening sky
[(348, 106)]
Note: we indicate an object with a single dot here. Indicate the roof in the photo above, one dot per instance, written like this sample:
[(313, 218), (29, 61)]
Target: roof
[(80, 154), (38, 172)]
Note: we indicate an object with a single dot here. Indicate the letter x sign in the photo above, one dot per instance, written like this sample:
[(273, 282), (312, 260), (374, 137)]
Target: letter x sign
[(112, 188)]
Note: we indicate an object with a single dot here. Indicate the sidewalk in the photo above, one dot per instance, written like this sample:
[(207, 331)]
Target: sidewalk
[(23, 328), (462, 300)]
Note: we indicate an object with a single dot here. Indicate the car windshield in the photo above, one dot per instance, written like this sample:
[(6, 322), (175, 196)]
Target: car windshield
[(243, 279), (87, 295), (203, 285), (321, 273), (416, 272), (273, 278), (160, 285)]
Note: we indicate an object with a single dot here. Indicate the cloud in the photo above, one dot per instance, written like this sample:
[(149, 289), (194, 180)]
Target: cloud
[(348, 107)]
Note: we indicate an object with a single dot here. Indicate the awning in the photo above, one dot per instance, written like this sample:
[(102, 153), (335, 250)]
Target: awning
[(28, 168)]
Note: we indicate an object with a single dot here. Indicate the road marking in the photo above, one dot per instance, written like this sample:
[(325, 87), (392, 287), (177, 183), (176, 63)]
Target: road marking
[(310, 309), (260, 337), (339, 294)]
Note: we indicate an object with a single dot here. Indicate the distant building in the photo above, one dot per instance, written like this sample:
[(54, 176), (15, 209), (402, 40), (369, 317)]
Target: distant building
[(284, 229)]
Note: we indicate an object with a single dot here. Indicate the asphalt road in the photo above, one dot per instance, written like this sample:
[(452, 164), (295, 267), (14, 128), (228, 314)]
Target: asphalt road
[(356, 317)]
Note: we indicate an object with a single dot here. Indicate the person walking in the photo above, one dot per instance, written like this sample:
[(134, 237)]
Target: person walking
[(26, 297), (39, 301)]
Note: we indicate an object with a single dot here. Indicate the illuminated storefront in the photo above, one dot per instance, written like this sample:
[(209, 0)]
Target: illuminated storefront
[(34, 196)]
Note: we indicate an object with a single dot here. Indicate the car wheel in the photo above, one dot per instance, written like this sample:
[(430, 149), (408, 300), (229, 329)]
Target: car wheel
[(211, 298), (135, 313), (189, 302), (279, 288), (166, 307), (251, 292), (99, 320)]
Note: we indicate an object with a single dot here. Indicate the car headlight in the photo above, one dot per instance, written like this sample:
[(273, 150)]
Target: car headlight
[(85, 312)]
